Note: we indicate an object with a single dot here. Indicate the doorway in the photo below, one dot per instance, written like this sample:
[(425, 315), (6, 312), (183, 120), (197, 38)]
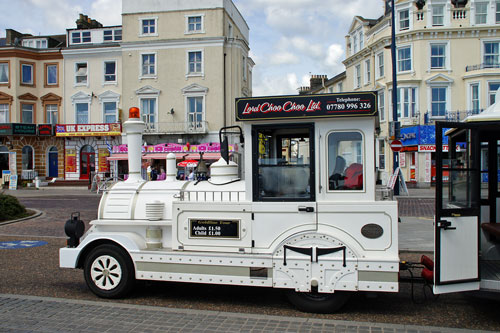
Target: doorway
[(53, 162), (87, 162)]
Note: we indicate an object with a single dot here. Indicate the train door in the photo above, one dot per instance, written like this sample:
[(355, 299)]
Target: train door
[(283, 181), (456, 248)]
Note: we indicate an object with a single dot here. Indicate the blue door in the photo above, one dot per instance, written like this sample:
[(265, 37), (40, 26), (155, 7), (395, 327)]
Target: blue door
[(53, 170)]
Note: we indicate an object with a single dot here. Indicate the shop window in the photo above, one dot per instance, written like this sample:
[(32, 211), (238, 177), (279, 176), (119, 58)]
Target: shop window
[(345, 161), (381, 154), (284, 163), (27, 158)]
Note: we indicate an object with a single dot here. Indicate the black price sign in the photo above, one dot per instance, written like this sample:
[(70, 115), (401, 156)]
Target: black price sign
[(356, 104), (214, 228)]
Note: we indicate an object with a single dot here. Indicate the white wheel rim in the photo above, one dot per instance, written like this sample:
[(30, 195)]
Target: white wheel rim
[(106, 272)]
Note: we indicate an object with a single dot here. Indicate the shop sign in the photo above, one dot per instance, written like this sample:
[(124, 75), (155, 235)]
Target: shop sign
[(402, 159), (45, 129), (5, 129), (303, 107), (432, 148), (70, 160), (88, 130), (212, 147), (23, 129), (103, 164)]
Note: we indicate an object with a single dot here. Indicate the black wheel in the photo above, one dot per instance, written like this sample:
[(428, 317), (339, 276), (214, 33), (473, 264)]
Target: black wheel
[(318, 302), (109, 272)]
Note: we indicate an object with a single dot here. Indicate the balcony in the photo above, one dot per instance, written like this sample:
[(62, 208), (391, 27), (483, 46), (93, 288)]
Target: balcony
[(198, 127), (453, 116), (481, 66)]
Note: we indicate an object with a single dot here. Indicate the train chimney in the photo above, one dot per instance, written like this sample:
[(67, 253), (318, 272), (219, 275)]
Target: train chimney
[(134, 127)]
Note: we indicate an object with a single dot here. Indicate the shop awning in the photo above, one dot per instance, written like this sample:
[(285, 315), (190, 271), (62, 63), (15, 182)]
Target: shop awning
[(163, 156)]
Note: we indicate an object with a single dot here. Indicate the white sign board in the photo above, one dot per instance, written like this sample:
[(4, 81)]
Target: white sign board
[(13, 182)]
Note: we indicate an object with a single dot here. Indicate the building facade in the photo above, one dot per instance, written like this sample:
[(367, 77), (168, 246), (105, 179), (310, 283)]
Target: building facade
[(31, 97), (91, 124), (447, 64), (186, 62)]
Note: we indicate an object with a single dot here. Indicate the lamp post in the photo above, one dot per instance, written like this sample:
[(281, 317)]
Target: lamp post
[(395, 120)]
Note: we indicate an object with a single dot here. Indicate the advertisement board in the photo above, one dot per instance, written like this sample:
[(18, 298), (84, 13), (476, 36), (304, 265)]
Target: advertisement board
[(23, 129), (70, 160), (307, 106), (103, 164), (88, 129)]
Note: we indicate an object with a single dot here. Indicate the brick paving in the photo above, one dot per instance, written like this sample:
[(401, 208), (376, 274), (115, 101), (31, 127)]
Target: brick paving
[(43, 314), (416, 207)]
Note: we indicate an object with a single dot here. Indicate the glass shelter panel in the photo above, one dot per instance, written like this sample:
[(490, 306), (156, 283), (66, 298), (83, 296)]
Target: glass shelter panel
[(458, 174)]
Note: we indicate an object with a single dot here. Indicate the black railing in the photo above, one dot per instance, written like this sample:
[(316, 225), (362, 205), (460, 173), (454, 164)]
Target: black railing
[(455, 116), (481, 66)]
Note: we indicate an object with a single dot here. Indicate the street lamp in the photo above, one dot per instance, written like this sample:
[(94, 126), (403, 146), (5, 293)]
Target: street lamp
[(394, 95)]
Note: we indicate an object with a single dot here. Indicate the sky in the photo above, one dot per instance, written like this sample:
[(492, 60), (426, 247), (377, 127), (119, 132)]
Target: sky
[(290, 40)]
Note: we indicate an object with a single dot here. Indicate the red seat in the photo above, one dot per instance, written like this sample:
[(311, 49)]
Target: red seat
[(492, 228), (354, 177)]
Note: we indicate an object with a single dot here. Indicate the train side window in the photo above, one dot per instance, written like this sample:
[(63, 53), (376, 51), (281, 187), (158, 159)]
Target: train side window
[(345, 161), (283, 163)]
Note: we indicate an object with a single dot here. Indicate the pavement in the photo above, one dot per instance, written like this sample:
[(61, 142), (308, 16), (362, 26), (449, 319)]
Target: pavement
[(46, 314), (20, 313)]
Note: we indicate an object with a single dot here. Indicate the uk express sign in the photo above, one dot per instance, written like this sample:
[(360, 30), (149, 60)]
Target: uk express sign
[(309, 106)]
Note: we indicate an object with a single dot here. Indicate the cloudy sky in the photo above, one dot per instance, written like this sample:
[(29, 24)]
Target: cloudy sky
[(289, 39)]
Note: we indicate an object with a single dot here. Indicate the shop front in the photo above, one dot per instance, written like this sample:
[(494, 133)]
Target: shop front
[(87, 148), (154, 158), (30, 151), (418, 157)]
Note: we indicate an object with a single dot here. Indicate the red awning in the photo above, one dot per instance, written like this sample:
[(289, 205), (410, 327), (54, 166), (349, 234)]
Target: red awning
[(163, 156)]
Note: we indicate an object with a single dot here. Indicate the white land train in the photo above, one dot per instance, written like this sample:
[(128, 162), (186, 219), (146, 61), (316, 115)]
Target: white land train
[(304, 218)]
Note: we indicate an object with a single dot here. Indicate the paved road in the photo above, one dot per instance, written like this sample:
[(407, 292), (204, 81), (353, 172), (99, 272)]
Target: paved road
[(40, 314), (35, 272)]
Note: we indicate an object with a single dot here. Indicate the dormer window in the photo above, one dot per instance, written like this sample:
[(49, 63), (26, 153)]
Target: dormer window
[(35, 43), (112, 35), (79, 37)]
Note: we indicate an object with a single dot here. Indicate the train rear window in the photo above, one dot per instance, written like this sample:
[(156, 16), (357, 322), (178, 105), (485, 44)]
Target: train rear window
[(283, 163)]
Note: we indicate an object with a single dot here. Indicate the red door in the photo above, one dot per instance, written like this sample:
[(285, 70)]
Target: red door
[(87, 162)]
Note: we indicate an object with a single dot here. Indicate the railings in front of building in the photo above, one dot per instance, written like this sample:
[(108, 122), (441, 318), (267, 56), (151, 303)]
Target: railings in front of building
[(471, 68), (459, 13), (455, 116), (197, 127)]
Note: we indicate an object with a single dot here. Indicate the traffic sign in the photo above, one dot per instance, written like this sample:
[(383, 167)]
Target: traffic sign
[(396, 145)]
